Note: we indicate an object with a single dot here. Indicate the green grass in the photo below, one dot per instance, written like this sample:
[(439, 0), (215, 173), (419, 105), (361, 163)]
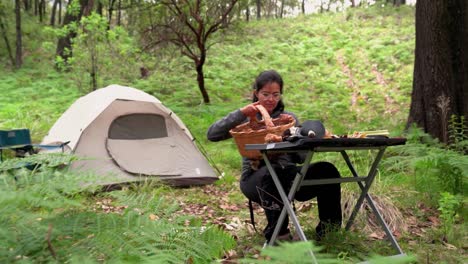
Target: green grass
[(352, 70)]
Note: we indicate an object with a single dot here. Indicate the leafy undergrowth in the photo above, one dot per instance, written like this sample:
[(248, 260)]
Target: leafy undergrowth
[(416, 232), (49, 215)]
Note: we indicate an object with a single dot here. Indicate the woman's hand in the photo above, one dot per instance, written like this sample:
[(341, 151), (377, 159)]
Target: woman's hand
[(250, 109)]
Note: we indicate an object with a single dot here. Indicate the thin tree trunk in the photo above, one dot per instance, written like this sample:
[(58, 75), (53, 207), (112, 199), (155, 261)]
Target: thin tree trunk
[(88, 7), (60, 12), (281, 9), (201, 77), (132, 17), (27, 6), (119, 12), (398, 2), (303, 7), (19, 42), (259, 7), (64, 47), (53, 12), (36, 7), (94, 69), (3, 28), (41, 14), (201, 84), (44, 8), (247, 12), (110, 12), (99, 8)]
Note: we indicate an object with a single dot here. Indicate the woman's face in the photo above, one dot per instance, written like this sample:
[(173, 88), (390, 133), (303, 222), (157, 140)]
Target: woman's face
[(269, 96)]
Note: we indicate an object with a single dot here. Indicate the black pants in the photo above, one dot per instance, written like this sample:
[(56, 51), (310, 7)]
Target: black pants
[(260, 188)]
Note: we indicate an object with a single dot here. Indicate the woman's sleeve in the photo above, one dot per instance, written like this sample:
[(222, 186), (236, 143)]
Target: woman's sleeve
[(220, 129)]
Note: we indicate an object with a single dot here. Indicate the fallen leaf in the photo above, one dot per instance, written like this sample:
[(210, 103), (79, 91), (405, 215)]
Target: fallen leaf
[(153, 217), (229, 227), (449, 246), (374, 235), (434, 220)]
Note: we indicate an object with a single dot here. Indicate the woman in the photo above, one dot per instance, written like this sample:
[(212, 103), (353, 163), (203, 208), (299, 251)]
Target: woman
[(256, 182)]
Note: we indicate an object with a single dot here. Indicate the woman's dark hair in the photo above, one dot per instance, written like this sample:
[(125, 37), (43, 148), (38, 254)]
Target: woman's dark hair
[(264, 78)]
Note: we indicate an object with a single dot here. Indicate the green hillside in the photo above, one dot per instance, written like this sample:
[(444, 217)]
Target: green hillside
[(352, 70)]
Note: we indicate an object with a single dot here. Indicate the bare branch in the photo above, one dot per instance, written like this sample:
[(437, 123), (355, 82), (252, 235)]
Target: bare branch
[(188, 24), (218, 23)]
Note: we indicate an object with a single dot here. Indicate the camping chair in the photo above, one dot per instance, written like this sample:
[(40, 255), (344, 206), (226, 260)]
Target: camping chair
[(19, 140)]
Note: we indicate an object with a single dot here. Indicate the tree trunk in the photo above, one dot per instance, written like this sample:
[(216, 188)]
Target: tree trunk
[(201, 78), (398, 2), (41, 9), (64, 47), (44, 8), (19, 41), (189, 28), (281, 9), (119, 12), (36, 7), (88, 6), (440, 82), (303, 7), (27, 6), (3, 28), (110, 12), (259, 8), (99, 8), (94, 69), (52, 13), (60, 12), (247, 13), (201, 84)]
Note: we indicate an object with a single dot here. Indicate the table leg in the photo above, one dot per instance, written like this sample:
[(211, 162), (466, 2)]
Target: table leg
[(287, 208), (365, 194)]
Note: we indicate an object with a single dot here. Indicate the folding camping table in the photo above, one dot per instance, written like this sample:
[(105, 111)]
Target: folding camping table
[(310, 146)]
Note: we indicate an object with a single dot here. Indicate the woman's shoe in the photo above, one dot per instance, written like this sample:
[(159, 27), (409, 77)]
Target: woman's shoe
[(280, 238), (285, 237)]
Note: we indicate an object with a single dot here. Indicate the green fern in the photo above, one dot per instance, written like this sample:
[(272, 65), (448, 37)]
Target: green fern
[(431, 167), (449, 205), (300, 253), (50, 215), (458, 134)]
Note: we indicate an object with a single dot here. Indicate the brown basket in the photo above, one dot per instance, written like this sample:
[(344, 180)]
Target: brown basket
[(254, 132)]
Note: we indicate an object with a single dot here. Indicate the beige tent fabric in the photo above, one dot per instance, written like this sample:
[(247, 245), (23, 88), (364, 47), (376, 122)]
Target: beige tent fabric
[(146, 157), (84, 110), (86, 125), (160, 157)]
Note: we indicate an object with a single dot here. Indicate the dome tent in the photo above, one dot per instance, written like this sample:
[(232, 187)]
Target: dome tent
[(130, 135)]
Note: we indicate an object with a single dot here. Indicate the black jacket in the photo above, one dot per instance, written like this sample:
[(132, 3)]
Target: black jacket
[(220, 131)]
